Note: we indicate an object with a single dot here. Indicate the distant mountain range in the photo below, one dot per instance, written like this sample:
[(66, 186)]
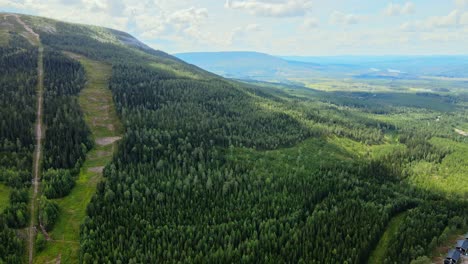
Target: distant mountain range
[(248, 65), (265, 67)]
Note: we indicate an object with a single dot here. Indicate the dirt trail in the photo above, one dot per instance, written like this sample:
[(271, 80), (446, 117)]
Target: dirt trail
[(33, 37), (26, 27), (38, 134), (44, 232)]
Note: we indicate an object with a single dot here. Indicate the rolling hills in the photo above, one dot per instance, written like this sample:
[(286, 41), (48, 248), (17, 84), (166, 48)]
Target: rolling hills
[(149, 159), (303, 69)]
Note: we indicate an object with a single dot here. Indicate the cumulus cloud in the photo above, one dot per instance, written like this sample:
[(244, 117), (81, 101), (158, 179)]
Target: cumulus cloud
[(339, 18), (185, 21), (397, 9), (289, 8)]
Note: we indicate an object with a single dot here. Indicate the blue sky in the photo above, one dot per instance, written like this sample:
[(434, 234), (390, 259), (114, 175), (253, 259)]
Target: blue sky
[(280, 27)]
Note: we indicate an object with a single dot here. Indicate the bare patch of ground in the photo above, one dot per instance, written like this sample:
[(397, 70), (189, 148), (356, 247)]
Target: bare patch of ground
[(96, 169), (59, 259), (44, 232), (29, 34), (107, 140), (464, 260), (461, 132)]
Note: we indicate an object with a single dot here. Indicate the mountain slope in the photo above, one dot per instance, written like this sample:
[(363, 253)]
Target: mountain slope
[(210, 170)]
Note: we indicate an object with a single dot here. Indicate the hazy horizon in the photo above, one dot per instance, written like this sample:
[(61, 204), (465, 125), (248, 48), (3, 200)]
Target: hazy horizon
[(328, 56)]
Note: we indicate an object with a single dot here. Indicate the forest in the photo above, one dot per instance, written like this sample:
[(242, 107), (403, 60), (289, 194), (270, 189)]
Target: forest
[(177, 175), (18, 77), (212, 170)]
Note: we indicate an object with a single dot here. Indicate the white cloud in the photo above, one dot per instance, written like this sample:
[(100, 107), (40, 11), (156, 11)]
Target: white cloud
[(289, 8), (185, 29), (240, 33), (310, 23), (185, 22), (464, 19), (253, 27), (461, 3), (397, 9), (453, 19), (339, 18), (442, 37), (108, 13), (445, 21)]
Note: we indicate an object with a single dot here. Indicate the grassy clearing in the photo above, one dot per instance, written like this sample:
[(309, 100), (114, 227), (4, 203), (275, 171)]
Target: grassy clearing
[(178, 72), (315, 153), (4, 37), (15, 23), (449, 175), (378, 255), (97, 105), (4, 197), (312, 153), (348, 85)]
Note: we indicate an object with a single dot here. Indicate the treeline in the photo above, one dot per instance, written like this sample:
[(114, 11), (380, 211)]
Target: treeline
[(18, 82)]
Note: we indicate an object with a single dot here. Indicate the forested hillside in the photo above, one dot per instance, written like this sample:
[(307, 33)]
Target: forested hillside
[(215, 171), (18, 78)]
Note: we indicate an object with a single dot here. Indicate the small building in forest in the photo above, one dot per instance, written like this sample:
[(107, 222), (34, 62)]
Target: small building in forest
[(462, 246), (452, 257)]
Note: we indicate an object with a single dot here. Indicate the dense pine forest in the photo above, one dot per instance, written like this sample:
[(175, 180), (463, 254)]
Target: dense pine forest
[(18, 76), (211, 170)]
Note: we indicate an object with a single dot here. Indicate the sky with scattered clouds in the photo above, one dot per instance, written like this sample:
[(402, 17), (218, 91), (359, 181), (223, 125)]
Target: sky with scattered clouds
[(280, 27)]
